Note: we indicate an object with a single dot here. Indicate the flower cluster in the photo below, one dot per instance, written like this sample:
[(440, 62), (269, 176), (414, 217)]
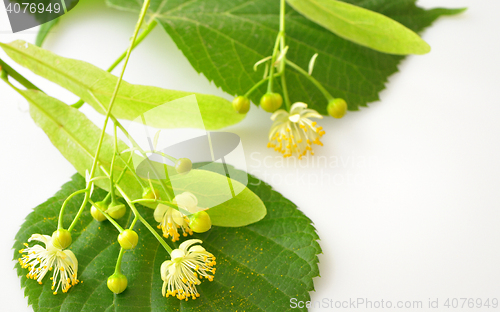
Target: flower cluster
[(294, 132), (181, 274), (40, 260), (188, 265)]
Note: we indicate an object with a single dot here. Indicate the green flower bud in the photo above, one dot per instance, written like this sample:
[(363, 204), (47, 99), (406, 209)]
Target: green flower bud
[(61, 238), (183, 165), (241, 104), (116, 211), (270, 102), (117, 283), (337, 108), (128, 239), (96, 214), (200, 222), (149, 193)]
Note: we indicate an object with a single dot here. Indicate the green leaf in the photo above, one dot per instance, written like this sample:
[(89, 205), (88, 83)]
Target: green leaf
[(44, 31), (224, 39), (76, 137), (362, 26), (90, 82), (259, 267)]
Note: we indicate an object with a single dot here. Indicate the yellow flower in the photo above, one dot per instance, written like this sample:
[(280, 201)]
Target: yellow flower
[(171, 219), (40, 260), (294, 133), (183, 272)]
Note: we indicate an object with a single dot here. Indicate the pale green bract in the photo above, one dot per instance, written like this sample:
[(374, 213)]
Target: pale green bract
[(76, 138), (86, 81), (362, 26)]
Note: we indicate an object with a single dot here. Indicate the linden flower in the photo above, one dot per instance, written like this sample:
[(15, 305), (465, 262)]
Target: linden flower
[(183, 272), (171, 219), (294, 133), (40, 260)]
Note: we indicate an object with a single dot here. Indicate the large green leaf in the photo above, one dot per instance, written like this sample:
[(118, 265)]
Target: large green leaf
[(90, 82), (362, 26), (76, 137), (259, 267), (224, 39)]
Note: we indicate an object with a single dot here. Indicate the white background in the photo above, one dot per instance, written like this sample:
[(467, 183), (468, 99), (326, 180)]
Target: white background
[(412, 207)]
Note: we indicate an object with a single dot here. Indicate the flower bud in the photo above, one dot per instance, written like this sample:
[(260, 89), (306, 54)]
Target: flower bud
[(200, 222), (183, 165), (128, 239), (270, 102), (96, 214), (61, 238), (241, 104), (337, 108), (117, 283), (149, 193), (116, 211)]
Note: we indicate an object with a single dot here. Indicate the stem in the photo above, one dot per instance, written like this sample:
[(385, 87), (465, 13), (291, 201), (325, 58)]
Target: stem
[(285, 93), (121, 175), (282, 48), (258, 84), (172, 159), (125, 169), (140, 38), (107, 198), (80, 211), (155, 234), (318, 85), (282, 16), (118, 267), (273, 60), (112, 101), (281, 35), (133, 223), (140, 200), (66, 201), (17, 76), (133, 172), (111, 170)]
